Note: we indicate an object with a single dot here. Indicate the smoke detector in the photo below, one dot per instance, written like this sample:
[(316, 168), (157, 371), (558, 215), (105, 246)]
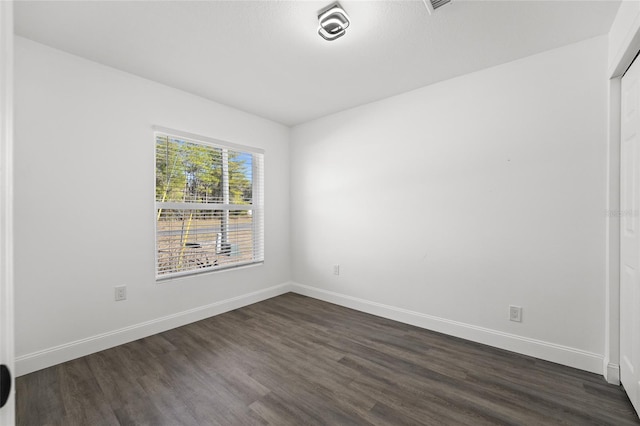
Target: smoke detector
[(432, 5), (332, 21)]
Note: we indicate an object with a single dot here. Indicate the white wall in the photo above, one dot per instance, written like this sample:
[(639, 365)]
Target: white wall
[(448, 203), (84, 207), (444, 204)]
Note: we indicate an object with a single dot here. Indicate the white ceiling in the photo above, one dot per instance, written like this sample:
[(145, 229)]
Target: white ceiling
[(266, 58)]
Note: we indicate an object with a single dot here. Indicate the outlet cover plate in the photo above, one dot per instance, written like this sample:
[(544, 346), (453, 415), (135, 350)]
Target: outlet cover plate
[(515, 313), (120, 293)]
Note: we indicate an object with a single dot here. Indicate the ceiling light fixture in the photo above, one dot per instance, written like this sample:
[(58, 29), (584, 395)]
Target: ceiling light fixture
[(333, 21)]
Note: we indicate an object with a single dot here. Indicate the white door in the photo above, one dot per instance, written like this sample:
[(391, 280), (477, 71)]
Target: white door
[(630, 236), (7, 406)]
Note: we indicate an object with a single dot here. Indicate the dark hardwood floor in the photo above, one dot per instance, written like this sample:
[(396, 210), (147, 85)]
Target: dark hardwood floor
[(295, 360)]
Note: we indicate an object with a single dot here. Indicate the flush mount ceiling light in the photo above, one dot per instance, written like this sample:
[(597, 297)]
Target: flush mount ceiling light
[(333, 21)]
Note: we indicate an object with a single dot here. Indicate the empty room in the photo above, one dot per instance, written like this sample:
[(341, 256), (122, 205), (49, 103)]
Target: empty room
[(419, 212)]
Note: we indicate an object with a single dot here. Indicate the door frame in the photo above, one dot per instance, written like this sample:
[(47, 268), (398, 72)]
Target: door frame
[(618, 66), (7, 413)]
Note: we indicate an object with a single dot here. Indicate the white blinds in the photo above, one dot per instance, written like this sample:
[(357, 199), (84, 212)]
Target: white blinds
[(209, 205)]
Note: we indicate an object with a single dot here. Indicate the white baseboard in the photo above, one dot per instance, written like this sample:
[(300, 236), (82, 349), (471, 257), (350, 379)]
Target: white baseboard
[(48, 357), (559, 354), (611, 372)]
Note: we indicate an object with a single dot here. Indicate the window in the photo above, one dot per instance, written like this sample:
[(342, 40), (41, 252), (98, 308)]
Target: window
[(209, 204)]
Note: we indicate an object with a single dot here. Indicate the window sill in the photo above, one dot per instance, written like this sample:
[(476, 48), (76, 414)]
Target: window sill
[(190, 274)]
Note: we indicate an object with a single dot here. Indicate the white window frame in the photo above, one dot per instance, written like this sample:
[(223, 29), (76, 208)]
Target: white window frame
[(256, 208)]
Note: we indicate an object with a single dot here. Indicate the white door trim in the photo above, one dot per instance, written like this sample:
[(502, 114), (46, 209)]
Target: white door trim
[(7, 413), (611, 367)]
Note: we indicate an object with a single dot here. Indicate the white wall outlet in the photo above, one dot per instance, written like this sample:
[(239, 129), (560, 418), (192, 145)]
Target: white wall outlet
[(515, 313), (336, 269), (121, 292)]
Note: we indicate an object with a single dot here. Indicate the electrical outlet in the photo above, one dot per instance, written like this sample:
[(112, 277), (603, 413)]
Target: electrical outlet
[(121, 293), (515, 313), (336, 269)]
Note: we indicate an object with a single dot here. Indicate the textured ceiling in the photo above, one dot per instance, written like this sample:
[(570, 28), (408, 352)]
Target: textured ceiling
[(266, 58)]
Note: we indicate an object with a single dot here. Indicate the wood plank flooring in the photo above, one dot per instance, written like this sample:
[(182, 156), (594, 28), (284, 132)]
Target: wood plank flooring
[(293, 360)]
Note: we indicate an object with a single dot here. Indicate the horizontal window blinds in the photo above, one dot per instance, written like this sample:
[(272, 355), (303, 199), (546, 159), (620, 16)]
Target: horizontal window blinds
[(209, 206)]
